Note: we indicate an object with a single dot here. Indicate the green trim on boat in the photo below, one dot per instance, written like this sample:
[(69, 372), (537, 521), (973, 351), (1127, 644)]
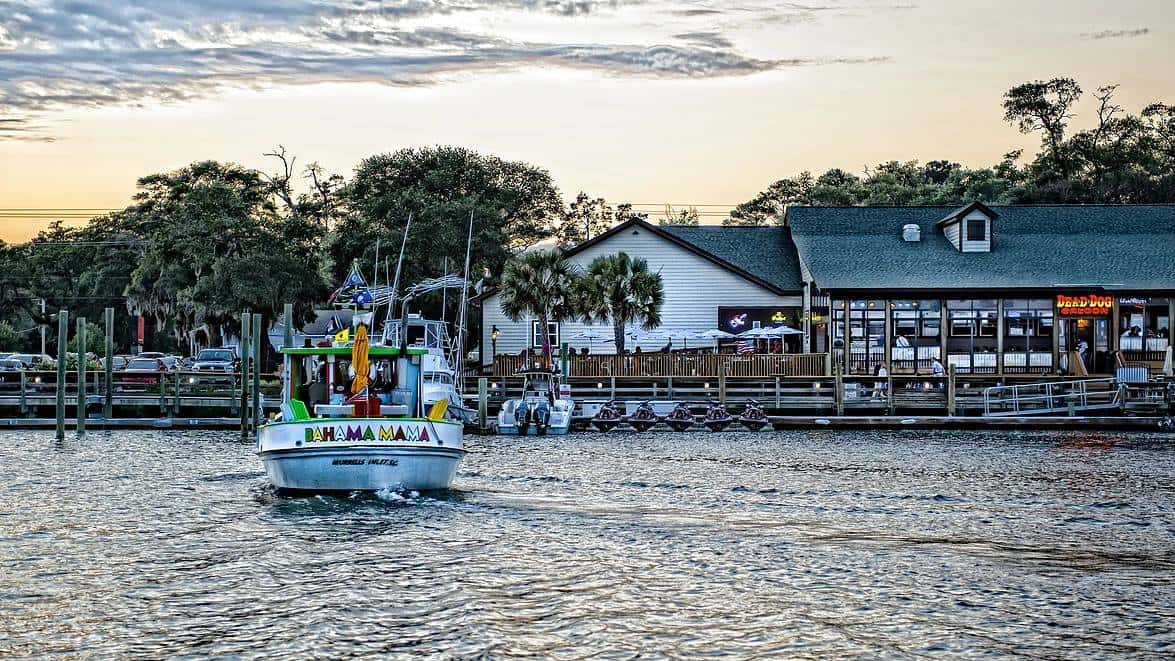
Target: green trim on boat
[(378, 350), (310, 421)]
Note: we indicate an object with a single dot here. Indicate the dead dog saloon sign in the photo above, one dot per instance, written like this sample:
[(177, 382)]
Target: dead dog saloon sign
[(1090, 305)]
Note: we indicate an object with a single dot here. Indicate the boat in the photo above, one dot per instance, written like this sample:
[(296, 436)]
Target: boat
[(438, 378), (680, 418), (607, 417), (369, 433), (541, 410), (643, 418), (753, 416), (717, 417)]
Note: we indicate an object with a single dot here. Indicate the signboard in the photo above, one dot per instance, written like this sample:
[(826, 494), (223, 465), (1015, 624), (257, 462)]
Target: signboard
[(739, 319), (564, 391), (1089, 305)]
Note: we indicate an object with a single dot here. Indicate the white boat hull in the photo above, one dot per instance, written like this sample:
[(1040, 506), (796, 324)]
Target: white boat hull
[(361, 454)]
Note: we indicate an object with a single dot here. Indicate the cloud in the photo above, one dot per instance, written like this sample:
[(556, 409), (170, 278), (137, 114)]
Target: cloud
[(1116, 34), (17, 128), (86, 53)]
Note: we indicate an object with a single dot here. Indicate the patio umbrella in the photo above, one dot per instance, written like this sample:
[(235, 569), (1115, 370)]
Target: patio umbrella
[(359, 360), (715, 334), (590, 335)]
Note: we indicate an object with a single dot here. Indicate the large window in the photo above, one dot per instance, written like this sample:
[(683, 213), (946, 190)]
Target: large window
[(1028, 333), (1144, 327), (866, 342), (917, 327), (971, 343)]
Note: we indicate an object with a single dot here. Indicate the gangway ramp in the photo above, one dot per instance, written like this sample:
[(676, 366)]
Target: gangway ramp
[(1053, 397)]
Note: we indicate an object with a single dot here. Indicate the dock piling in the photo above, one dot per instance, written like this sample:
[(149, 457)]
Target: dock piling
[(62, 332), (255, 345), (108, 368), (24, 393), (483, 403), (951, 380), (243, 346), (81, 410)]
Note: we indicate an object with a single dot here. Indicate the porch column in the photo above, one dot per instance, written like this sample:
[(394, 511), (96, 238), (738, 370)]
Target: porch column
[(888, 336), (848, 341), (1058, 322), (999, 336), (944, 326), (807, 322)]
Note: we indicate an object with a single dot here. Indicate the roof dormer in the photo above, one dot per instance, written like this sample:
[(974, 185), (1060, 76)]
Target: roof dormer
[(969, 228)]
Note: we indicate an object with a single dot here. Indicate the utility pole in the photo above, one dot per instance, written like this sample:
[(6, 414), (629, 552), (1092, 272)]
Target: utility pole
[(42, 327)]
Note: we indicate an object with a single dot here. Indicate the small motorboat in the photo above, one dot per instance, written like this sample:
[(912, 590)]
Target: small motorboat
[(753, 417), (607, 417), (540, 411), (643, 418), (717, 417), (680, 418)]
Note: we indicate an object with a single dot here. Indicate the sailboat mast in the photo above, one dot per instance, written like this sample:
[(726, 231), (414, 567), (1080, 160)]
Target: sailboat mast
[(464, 291), (396, 282)]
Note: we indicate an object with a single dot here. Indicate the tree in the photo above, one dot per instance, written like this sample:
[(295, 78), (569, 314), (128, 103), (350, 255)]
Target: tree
[(687, 217), (622, 290), (95, 340), (539, 284), (513, 205), (10, 339), (583, 219), (1044, 106)]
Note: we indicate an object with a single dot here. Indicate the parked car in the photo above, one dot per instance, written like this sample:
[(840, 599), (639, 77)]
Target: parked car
[(31, 360), (118, 363), (146, 371), (170, 363), (150, 354), (11, 365), (216, 360)]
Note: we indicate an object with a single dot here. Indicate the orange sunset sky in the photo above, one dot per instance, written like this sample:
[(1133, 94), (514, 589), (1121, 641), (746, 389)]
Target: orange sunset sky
[(647, 102)]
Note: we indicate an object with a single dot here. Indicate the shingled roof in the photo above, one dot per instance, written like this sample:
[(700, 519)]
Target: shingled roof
[(766, 252), (1115, 247)]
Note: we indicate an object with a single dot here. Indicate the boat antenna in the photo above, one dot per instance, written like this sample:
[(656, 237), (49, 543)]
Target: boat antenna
[(396, 282), (464, 291)]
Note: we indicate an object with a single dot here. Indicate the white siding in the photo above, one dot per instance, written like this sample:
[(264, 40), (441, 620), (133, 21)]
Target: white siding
[(951, 230), (694, 288), (977, 246)]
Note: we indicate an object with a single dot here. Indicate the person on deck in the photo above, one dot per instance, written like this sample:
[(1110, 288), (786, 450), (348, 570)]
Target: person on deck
[(939, 371)]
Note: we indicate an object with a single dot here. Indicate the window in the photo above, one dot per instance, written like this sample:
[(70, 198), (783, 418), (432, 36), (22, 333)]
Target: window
[(977, 230), (536, 335)]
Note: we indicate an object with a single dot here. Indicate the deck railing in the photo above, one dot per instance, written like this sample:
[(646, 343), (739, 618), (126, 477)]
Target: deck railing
[(679, 365)]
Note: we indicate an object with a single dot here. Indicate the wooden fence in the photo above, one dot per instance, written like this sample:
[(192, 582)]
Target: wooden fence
[(680, 365)]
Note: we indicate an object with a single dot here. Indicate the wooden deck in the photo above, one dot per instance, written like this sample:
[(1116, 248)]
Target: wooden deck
[(679, 364)]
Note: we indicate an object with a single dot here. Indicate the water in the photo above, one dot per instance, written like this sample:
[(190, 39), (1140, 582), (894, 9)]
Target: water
[(816, 544)]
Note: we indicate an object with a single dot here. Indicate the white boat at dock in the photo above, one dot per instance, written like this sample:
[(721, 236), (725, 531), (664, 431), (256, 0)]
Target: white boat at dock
[(542, 410)]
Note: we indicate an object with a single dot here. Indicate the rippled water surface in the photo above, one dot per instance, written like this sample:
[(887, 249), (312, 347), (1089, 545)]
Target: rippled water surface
[(817, 544)]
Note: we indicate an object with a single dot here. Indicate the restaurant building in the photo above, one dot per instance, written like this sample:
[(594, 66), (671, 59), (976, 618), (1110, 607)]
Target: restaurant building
[(988, 290), (732, 278)]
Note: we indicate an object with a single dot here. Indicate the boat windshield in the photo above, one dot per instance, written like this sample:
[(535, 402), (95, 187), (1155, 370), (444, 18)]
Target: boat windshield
[(438, 377)]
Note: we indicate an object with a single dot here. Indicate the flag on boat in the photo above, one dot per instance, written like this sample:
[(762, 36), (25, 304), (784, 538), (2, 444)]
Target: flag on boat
[(744, 347), (334, 325), (343, 335), (353, 289)]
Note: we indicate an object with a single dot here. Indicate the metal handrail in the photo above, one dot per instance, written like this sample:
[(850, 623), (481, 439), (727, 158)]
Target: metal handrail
[(1019, 395)]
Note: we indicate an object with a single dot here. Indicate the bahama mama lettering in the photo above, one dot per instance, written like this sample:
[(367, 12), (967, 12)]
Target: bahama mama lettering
[(367, 433), (1084, 306)]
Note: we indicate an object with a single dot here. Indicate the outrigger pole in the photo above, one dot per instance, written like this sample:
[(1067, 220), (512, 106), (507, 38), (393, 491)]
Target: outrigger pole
[(459, 362), (396, 282)]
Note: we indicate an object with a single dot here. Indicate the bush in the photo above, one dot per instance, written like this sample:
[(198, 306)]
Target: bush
[(10, 339)]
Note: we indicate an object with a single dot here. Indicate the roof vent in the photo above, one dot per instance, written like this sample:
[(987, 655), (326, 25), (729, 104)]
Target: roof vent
[(911, 233)]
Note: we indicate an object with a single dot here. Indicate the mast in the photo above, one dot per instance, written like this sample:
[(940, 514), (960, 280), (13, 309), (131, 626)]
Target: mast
[(396, 282), (464, 291)]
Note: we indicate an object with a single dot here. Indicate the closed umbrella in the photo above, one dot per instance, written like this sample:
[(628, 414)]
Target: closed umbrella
[(359, 360)]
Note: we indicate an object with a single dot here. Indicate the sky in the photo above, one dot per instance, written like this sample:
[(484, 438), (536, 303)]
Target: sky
[(691, 102)]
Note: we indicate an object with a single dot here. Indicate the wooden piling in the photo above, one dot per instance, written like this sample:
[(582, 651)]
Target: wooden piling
[(288, 318), (256, 346), (951, 374), (722, 385), (108, 368), (62, 332), (243, 347), (24, 393), (175, 401), (483, 403), (839, 393), (81, 409)]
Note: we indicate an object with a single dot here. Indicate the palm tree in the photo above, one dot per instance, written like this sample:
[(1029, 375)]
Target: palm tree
[(622, 289), (539, 284)]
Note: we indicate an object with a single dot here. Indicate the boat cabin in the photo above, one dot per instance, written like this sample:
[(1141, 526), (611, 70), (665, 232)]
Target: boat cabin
[(318, 381)]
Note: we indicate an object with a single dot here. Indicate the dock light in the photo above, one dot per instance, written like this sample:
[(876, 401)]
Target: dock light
[(706, 385), (37, 379), (816, 386), (494, 385), (599, 385), (926, 385), (191, 380)]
